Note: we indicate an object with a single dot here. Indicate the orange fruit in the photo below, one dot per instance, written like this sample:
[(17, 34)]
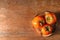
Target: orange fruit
[(38, 22), (46, 30), (50, 18)]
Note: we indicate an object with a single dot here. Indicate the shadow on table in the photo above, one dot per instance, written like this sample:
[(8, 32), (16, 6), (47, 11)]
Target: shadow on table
[(57, 26)]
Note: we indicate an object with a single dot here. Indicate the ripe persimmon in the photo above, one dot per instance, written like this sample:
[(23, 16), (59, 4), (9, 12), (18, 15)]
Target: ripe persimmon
[(46, 30), (38, 22), (50, 18)]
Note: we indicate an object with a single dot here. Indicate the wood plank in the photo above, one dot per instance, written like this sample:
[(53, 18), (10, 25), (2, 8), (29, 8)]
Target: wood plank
[(16, 17)]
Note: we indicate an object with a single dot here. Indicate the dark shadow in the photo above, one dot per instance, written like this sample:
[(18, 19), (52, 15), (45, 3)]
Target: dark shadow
[(57, 24)]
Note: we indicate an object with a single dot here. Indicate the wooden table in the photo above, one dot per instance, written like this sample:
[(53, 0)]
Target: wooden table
[(16, 17)]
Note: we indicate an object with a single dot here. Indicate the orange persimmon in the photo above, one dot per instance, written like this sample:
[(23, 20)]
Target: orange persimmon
[(50, 18), (38, 22), (46, 30)]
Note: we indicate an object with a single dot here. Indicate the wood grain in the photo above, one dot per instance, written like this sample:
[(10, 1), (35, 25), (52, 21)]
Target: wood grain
[(16, 17)]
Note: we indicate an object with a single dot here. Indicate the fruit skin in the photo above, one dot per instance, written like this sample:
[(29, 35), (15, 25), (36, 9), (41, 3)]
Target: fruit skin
[(46, 32), (52, 17), (36, 22)]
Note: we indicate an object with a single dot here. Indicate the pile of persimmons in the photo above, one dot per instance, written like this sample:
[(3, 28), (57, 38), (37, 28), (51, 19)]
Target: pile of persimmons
[(42, 24)]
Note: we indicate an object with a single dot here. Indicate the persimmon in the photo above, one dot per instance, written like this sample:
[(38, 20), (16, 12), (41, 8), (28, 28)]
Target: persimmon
[(43, 24), (50, 18), (46, 30), (38, 22)]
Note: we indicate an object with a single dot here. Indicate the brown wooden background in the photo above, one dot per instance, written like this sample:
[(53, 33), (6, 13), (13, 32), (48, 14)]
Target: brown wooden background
[(16, 17)]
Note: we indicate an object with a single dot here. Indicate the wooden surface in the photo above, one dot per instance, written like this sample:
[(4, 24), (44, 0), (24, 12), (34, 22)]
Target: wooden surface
[(16, 17)]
